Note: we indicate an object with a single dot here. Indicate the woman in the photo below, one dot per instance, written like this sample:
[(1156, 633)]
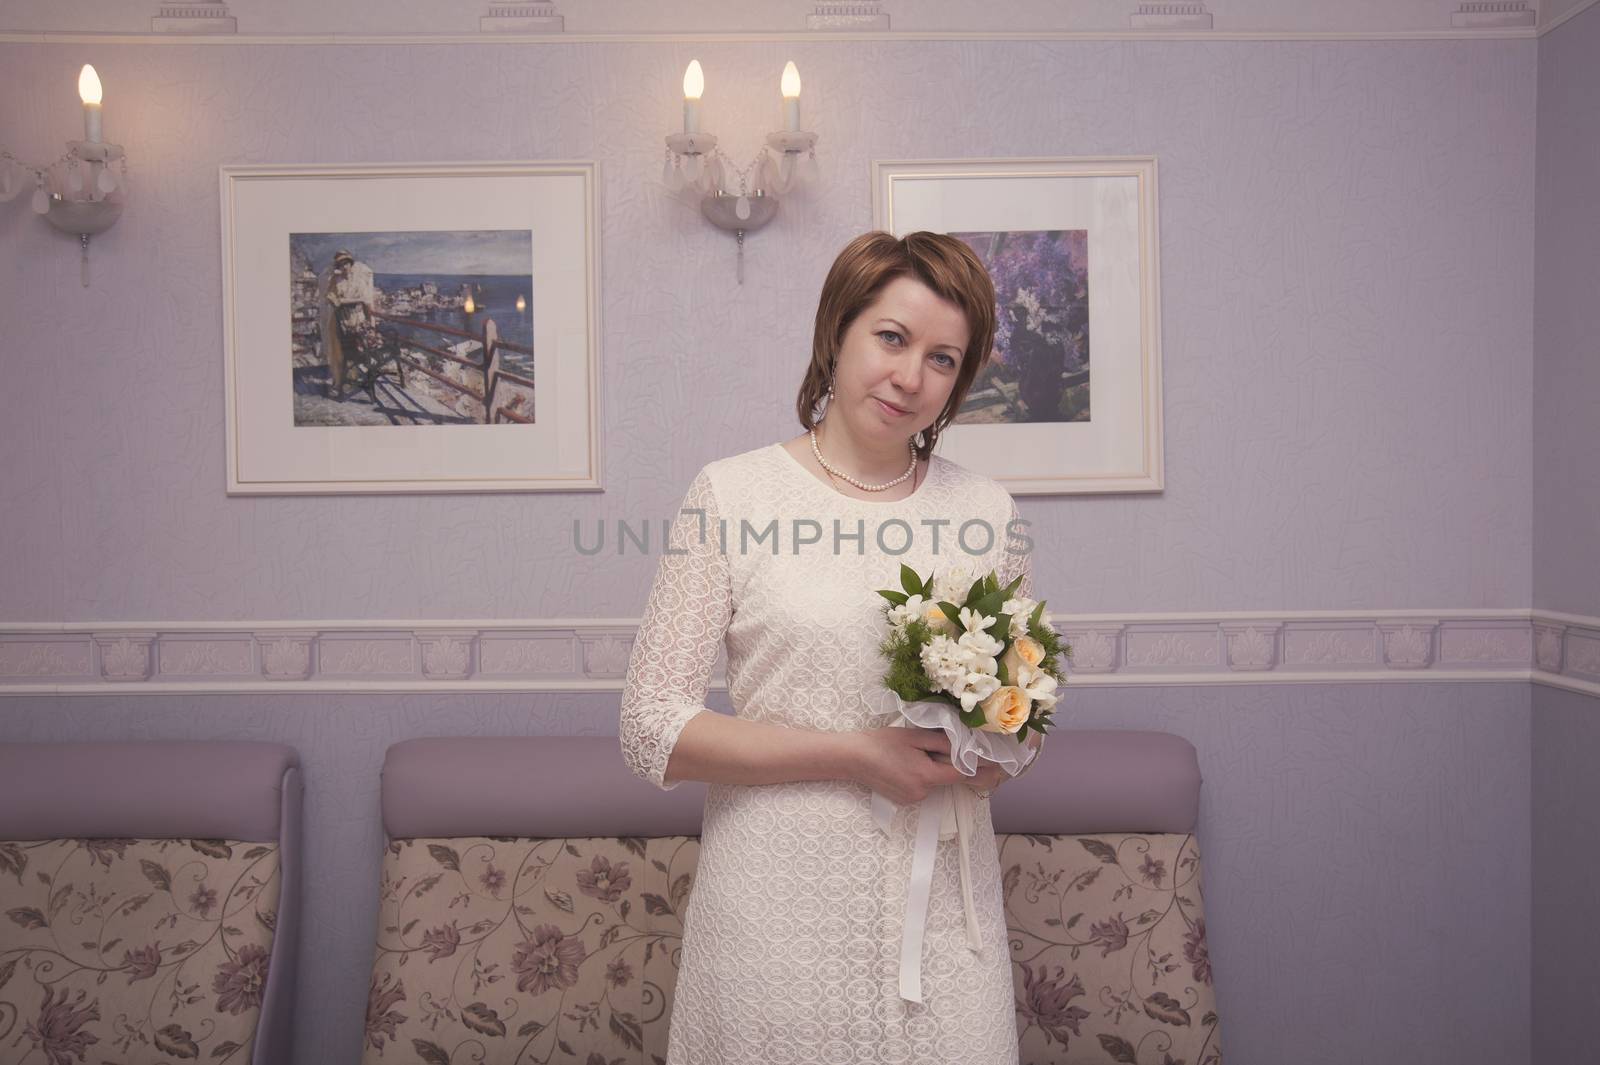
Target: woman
[(793, 929), (349, 294)]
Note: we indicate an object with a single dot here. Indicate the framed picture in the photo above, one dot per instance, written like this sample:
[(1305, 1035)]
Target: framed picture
[(411, 328), (1071, 245)]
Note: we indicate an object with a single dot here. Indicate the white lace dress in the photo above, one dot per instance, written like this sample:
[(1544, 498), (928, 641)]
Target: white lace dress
[(792, 931)]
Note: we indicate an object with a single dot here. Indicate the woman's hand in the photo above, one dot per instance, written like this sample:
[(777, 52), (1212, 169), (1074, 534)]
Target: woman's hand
[(986, 779), (905, 764)]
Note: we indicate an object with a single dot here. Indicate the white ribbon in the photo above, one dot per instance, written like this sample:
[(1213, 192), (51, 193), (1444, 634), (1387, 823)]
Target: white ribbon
[(946, 812)]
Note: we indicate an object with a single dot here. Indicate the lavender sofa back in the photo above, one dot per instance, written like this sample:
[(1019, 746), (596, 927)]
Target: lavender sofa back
[(1110, 780)]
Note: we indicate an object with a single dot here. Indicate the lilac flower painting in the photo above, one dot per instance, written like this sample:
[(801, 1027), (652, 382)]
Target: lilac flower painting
[(1040, 369)]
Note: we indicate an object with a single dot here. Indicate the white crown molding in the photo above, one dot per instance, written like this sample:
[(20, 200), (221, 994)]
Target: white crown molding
[(674, 21), (1578, 8), (839, 36), (566, 654)]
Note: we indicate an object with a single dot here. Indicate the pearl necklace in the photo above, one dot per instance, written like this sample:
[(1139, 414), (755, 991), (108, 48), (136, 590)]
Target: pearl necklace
[(817, 451)]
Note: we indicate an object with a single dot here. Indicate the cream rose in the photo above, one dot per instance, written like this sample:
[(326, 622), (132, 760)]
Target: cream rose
[(1024, 651), (937, 622), (1005, 711)]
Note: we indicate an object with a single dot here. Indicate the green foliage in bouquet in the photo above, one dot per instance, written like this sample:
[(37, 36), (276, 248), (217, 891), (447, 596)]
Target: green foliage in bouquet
[(902, 647)]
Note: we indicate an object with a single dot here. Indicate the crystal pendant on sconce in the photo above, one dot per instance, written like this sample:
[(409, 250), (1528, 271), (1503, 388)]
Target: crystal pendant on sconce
[(719, 176), (741, 208), (669, 175), (786, 170), (809, 170), (41, 199)]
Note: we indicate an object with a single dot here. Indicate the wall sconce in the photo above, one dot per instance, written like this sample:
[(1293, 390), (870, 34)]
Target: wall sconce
[(83, 191), (739, 199)]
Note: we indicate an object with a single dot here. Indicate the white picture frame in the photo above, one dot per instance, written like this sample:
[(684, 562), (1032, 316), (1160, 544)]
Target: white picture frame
[(544, 437), (1109, 205)]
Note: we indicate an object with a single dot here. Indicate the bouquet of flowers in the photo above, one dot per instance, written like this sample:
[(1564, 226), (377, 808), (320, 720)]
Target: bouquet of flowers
[(978, 648), (982, 663)]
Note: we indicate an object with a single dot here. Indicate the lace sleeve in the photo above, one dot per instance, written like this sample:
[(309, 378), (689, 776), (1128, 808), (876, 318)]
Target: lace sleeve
[(1015, 536), (1021, 562), (684, 621)]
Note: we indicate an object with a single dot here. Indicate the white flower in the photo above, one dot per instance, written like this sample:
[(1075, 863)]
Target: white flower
[(903, 615), (1037, 684), (975, 688), (945, 662), (973, 621), (1019, 609), (952, 584), (982, 647)]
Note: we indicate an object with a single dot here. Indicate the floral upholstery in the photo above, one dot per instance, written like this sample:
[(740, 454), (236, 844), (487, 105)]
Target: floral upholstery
[(134, 950), (501, 950), (1108, 949), (506, 950)]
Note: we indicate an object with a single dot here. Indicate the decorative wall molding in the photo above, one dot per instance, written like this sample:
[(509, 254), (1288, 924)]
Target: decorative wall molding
[(550, 655), (828, 15), (510, 16), (1495, 14), (1188, 16), (1559, 11), (197, 16)]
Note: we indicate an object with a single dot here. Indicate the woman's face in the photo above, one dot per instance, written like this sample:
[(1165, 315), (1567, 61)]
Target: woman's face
[(899, 361)]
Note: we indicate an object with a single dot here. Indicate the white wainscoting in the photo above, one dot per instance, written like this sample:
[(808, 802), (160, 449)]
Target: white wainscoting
[(585, 654)]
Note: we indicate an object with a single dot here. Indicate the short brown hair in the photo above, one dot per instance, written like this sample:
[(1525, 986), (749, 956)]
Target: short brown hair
[(868, 263)]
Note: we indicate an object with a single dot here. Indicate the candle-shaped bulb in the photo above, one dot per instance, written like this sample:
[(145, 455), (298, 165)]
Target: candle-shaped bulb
[(469, 306), (694, 83), (790, 86), (522, 304), (89, 85), (89, 93)]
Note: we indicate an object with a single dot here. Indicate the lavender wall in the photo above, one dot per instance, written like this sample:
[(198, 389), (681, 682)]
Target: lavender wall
[(1347, 242), (1347, 299), (1566, 528), (1566, 338), (1565, 984)]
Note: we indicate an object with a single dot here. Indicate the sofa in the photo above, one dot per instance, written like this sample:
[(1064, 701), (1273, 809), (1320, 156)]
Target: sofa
[(150, 901), (533, 890)]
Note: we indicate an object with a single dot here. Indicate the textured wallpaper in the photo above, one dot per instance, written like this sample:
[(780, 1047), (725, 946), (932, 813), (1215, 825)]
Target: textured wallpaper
[(1347, 264), (1565, 808), (1566, 523), (1566, 348)]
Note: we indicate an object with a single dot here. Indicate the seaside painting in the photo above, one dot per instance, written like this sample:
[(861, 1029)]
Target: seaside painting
[(431, 327), (1040, 368)]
